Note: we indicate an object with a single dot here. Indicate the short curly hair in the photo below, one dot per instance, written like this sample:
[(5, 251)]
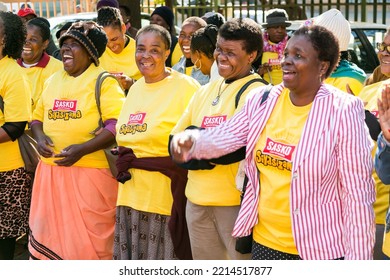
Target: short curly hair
[(246, 30), (324, 42), (13, 33)]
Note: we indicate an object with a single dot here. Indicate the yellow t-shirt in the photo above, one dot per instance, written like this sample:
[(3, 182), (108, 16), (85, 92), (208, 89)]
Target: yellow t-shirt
[(276, 75), (69, 112), (39, 75), (370, 95), (148, 116), (215, 187), (341, 83), (123, 62), (177, 54), (16, 93), (274, 154)]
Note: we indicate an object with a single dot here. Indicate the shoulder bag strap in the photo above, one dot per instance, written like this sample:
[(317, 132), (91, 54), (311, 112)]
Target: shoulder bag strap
[(245, 86), (98, 87)]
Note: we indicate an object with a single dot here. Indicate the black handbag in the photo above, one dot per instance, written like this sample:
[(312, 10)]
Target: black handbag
[(244, 243)]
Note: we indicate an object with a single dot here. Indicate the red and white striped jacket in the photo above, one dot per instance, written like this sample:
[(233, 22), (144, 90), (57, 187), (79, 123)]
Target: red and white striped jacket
[(332, 190)]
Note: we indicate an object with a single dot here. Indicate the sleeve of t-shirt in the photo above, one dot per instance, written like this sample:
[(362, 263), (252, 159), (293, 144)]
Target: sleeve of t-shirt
[(17, 100), (111, 99)]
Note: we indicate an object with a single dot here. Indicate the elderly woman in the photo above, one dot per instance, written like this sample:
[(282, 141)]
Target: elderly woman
[(317, 193), (15, 112), (213, 198), (119, 55), (150, 208), (38, 65), (185, 65), (74, 195)]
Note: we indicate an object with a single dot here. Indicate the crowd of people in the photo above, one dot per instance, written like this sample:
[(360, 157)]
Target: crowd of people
[(227, 130)]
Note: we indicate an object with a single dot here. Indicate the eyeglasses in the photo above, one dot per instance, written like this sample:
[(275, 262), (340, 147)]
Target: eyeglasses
[(383, 47)]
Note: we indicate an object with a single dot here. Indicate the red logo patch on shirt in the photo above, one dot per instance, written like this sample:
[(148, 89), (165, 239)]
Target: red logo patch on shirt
[(375, 113), (65, 105), (279, 149), (273, 61), (137, 118), (212, 121)]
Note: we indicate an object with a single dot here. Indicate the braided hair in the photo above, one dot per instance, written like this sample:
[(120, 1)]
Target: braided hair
[(204, 40), (13, 32), (109, 16)]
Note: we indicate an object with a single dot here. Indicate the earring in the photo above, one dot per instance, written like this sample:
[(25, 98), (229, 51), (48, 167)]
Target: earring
[(196, 66)]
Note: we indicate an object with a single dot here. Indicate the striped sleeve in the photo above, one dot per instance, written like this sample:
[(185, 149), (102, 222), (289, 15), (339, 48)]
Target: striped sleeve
[(355, 165)]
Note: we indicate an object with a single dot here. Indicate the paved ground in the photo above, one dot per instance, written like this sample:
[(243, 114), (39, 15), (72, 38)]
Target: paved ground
[(21, 252)]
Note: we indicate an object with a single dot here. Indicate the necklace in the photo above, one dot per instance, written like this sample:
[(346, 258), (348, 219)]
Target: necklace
[(216, 100)]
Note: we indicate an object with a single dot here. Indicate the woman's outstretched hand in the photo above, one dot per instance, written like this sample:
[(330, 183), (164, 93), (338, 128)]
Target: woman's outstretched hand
[(384, 112)]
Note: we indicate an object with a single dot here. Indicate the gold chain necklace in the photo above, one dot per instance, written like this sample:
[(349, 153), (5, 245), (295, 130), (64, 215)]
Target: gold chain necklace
[(216, 100)]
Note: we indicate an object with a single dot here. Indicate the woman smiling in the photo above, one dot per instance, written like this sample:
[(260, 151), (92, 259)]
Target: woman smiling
[(38, 65), (119, 55), (317, 193), (74, 193), (151, 195), (213, 198)]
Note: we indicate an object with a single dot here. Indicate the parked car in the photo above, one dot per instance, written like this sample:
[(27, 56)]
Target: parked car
[(57, 22), (362, 47)]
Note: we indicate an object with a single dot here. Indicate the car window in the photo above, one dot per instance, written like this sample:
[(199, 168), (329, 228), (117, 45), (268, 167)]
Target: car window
[(362, 48), (375, 36)]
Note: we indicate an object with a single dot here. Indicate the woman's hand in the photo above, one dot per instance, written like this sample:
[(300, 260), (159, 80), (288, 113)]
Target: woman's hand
[(44, 143), (264, 68), (182, 145), (384, 112), (44, 146), (70, 155), (125, 81)]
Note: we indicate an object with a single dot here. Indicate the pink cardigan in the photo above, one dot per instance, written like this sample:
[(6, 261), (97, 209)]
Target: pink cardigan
[(332, 190)]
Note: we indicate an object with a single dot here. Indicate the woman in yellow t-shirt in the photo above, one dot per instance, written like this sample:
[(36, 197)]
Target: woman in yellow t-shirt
[(309, 193), (151, 203), (118, 58), (212, 193), (73, 207), (38, 65), (15, 182), (275, 39)]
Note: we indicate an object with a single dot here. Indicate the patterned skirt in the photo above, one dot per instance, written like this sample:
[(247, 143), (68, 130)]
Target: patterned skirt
[(15, 198), (142, 236)]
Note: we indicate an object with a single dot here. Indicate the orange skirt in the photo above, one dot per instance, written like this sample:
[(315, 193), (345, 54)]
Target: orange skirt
[(72, 213)]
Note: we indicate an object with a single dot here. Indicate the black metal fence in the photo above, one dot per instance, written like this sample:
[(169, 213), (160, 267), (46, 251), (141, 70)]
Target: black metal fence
[(375, 11)]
